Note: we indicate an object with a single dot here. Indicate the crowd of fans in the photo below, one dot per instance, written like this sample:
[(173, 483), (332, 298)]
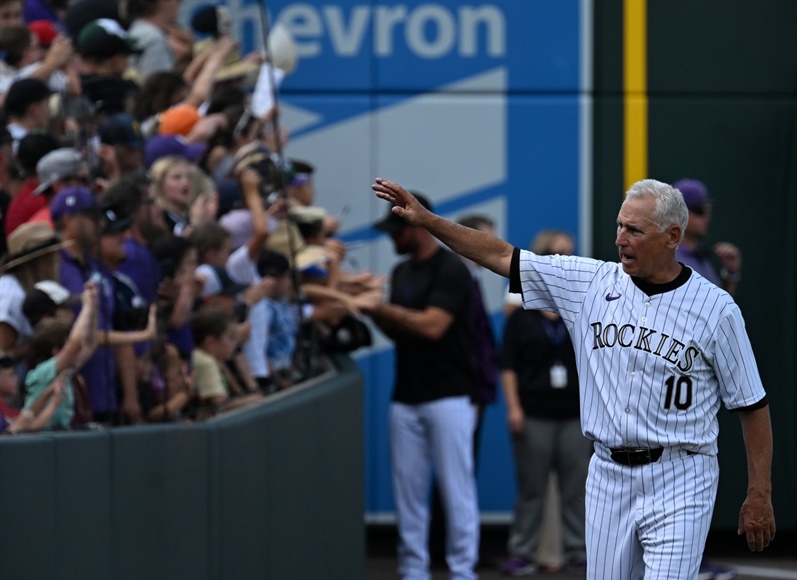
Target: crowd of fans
[(162, 259)]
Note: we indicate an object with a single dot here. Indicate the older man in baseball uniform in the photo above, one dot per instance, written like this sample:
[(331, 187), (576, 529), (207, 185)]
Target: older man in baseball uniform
[(658, 349)]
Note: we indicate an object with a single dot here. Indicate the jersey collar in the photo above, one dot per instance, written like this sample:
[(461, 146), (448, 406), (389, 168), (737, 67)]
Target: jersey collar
[(652, 289)]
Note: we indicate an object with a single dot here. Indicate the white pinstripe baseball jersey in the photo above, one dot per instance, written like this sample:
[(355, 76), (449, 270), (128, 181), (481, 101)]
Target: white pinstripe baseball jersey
[(654, 361)]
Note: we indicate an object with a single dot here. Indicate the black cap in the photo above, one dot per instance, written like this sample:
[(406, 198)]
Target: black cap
[(25, 92), (121, 129), (115, 222), (272, 264), (44, 299), (393, 223), (104, 38)]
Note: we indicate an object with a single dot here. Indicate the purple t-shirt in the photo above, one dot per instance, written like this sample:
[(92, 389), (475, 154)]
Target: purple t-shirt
[(145, 271), (142, 268), (99, 372), (699, 261)]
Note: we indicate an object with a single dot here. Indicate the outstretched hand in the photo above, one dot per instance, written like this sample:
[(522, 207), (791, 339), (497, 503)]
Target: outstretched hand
[(404, 203)]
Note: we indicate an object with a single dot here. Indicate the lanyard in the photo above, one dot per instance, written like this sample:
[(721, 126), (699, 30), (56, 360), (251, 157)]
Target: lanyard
[(556, 331)]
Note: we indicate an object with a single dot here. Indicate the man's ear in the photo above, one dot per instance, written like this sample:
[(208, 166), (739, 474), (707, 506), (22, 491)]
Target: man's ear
[(673, 236)]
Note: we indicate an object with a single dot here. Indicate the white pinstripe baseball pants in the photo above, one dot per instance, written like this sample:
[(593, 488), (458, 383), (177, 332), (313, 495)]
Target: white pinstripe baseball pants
[(649, 521), (436, 435)]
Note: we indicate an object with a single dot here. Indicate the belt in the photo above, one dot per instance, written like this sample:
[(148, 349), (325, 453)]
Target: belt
[(632, 456)]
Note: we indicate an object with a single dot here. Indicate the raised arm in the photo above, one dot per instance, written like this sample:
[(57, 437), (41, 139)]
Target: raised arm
[(484, 249), (88, 333), (82, 338), (756, 518)]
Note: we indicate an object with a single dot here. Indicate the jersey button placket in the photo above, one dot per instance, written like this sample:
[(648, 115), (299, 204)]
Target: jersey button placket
[(643, 319)]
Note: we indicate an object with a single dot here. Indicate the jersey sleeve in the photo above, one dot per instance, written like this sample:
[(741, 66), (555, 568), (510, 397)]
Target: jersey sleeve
[(734, 363), (555, 283)]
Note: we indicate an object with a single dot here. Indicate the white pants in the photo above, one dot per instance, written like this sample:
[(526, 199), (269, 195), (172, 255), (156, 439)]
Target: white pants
[(439, 436), (649, 521)]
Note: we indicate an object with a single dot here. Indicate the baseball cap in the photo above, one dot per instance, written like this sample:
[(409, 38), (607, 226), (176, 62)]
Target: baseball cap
[(57, 165), (45, 298), (121, 129), (44, 31), (392, 223), (30, 241), (115, 222), (312, 260), (104, 38), (165, 145), (73, 200), (178, 120), (25, 92), (694, 192), (308, 214)]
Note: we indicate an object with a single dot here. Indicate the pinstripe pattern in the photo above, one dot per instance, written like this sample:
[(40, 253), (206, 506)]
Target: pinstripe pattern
[(436, 435), (653, 371), (649, 521)]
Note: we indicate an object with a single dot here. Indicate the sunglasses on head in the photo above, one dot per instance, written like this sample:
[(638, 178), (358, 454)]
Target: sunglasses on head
[(701, 210)]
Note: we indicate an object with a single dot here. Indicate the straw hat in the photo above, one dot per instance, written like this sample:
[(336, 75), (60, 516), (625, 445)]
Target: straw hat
[(30, 241), (234, 66)]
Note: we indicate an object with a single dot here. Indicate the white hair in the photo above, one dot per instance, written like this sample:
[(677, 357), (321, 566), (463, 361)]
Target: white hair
[(670, 206)]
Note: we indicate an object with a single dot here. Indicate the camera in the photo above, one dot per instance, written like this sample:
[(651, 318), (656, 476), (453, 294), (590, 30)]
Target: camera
[(275, 171)]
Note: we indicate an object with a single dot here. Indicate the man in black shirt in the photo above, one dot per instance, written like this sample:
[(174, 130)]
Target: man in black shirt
[(432, 417)]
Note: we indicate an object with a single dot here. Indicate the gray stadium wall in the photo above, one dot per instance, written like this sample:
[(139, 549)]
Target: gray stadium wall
[(272, 491)]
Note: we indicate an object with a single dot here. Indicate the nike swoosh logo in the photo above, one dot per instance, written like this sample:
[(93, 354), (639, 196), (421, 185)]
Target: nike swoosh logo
[(609, 297)]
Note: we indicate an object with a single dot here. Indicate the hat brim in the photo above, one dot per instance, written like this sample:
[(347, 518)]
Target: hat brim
[(73, 300), (131, 145), (14, 262), (193, 151), (310, 257), (242, 68), (43, 186), (391, 223), (117, 227)]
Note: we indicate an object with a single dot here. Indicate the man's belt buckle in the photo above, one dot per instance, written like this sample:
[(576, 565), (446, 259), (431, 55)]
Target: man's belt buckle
[(634, 457)]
